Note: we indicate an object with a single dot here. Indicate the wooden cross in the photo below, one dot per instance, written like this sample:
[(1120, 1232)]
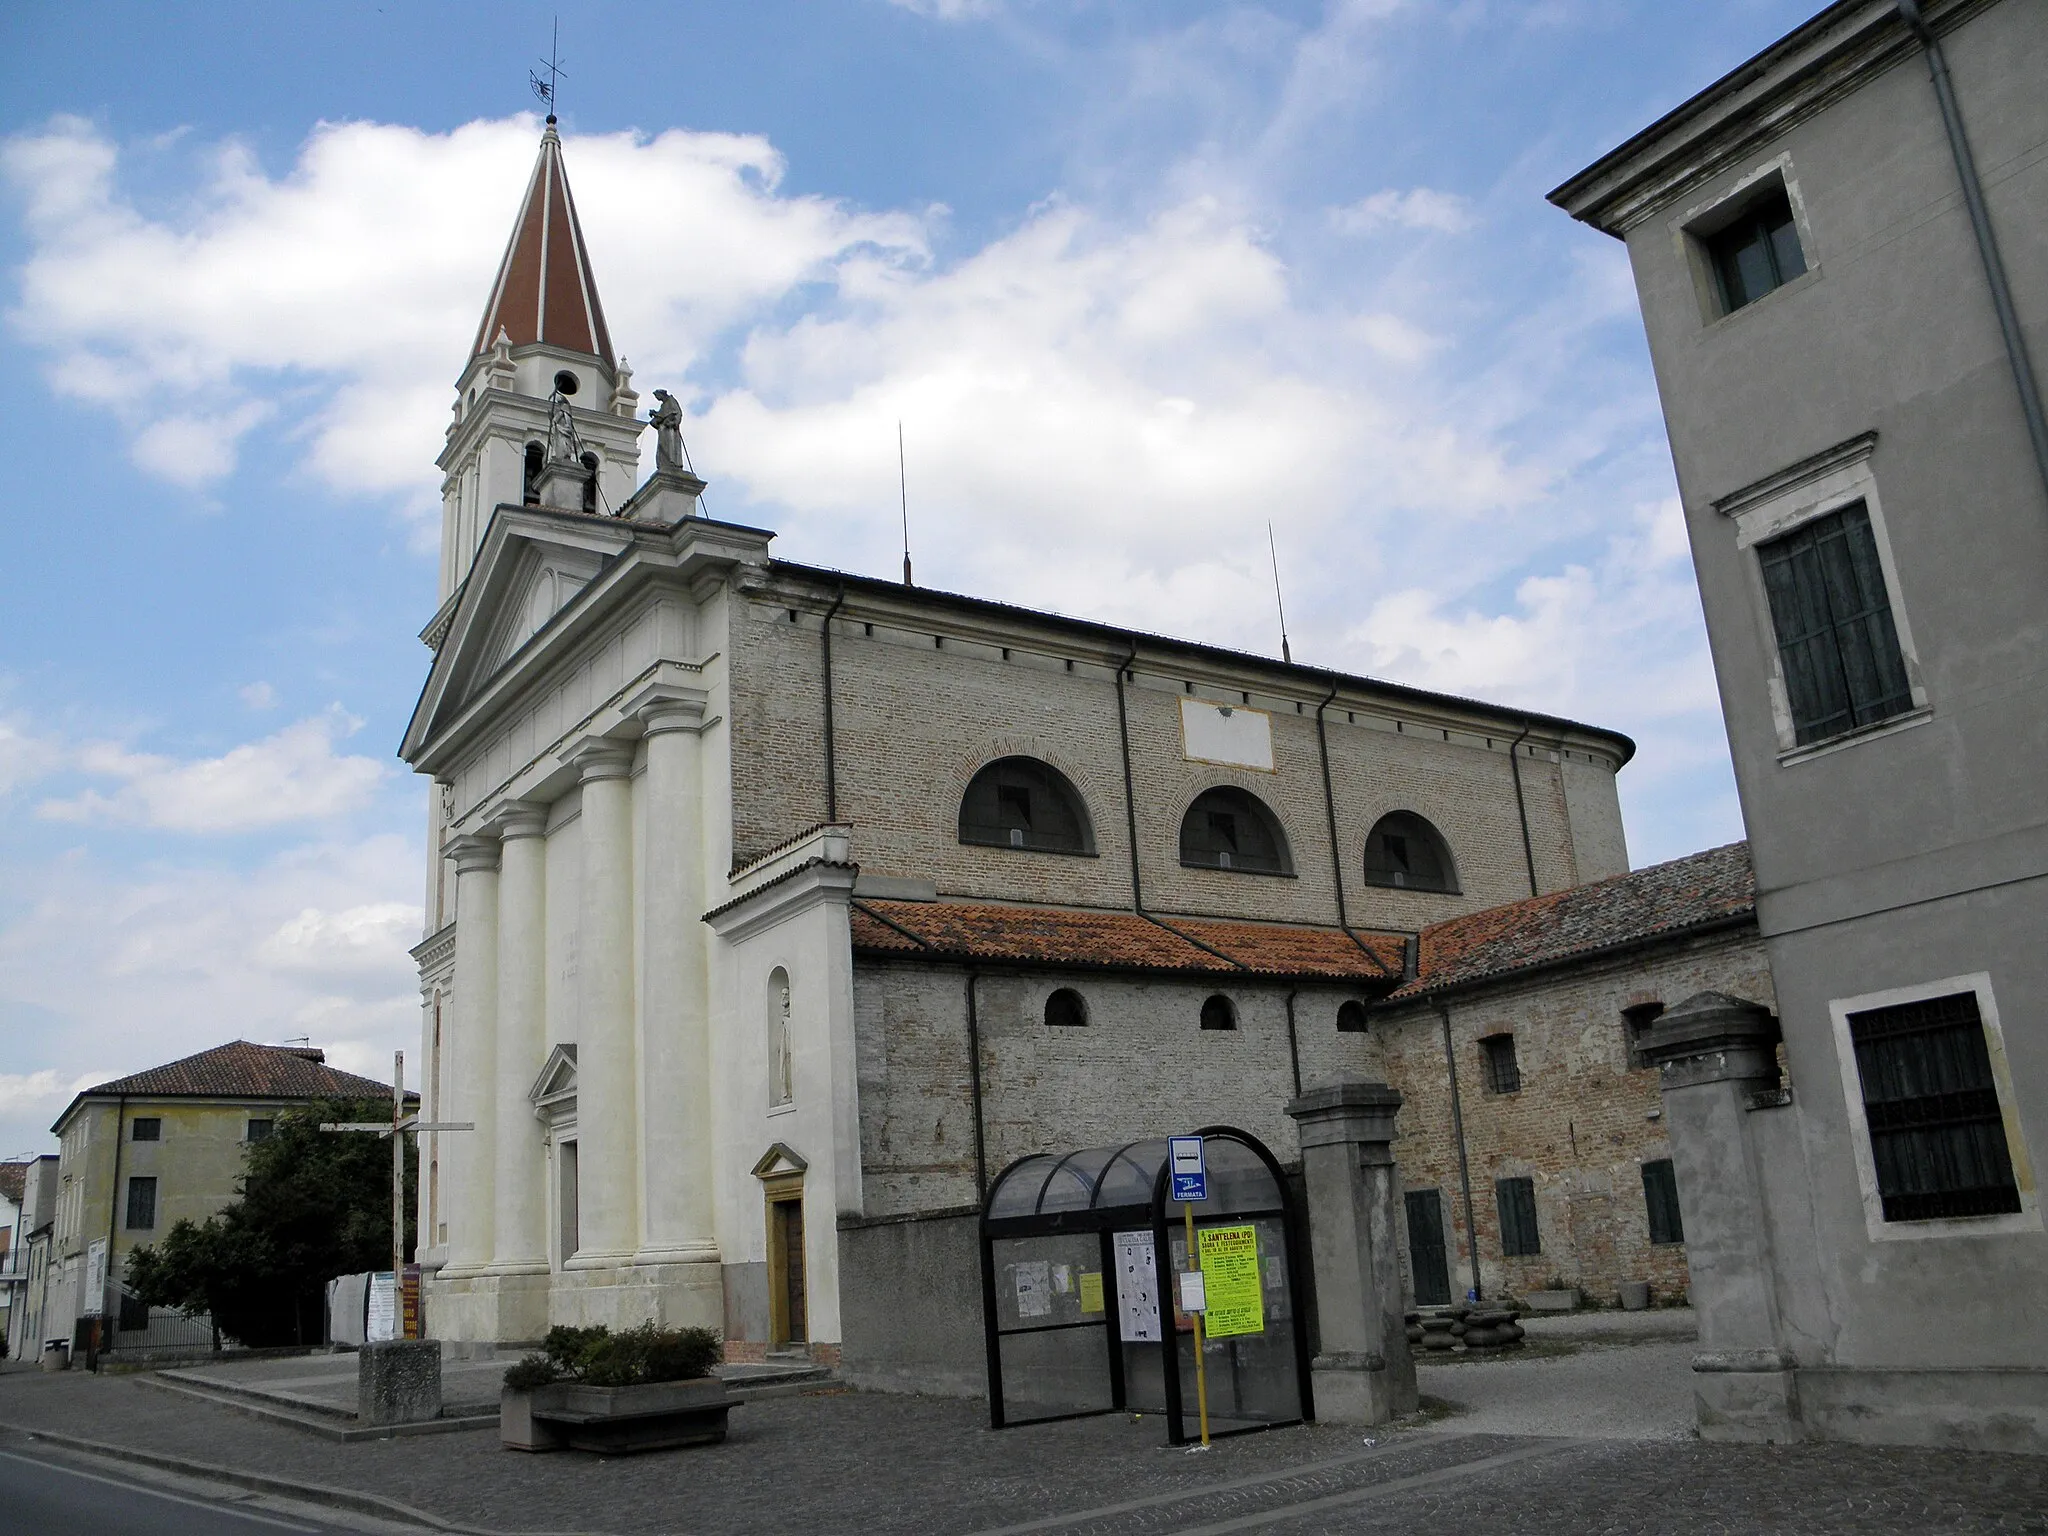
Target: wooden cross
[(401, 1125)]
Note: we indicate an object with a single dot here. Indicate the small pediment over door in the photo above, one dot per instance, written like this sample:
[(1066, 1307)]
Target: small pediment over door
[(779, 1162), (554, 1091)]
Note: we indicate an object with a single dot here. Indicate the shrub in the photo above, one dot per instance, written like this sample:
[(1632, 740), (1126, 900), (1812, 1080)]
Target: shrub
[(637, 1357)]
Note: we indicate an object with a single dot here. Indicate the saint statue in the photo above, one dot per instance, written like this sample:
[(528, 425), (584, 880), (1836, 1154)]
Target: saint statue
[(563, 445), (667, 421)]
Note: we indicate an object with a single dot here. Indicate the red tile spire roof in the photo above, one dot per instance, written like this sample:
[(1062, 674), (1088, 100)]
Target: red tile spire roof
[(545, 291)]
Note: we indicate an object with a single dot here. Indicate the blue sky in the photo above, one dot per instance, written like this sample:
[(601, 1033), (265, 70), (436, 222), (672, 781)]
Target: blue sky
[(1136, 277)]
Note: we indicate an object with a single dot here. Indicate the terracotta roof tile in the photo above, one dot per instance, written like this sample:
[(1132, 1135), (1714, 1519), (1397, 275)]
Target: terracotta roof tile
[(1665, 898), (997, 934), (242, 1070)]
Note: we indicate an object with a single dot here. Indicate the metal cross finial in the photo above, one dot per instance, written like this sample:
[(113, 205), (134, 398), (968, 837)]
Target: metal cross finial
[(545, 89)]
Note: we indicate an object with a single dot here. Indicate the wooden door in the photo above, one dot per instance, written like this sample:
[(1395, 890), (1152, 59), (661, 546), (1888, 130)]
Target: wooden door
[(786, 1270), (1426, 1256)]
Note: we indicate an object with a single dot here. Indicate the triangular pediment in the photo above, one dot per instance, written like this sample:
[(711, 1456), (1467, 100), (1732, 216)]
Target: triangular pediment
[(557, 1078), (779, 1159), (533, 567)]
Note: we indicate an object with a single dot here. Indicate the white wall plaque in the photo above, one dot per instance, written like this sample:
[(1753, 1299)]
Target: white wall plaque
[(1226, 733)]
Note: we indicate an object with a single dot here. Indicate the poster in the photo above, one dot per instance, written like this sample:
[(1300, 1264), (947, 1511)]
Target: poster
[(1230, 1268), (95, 1297), (1091, 1290), (382, 1323), (1137, 1288), (1034, 1289)]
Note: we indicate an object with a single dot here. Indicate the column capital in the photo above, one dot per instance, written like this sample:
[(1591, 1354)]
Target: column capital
[(1349, 1111), (599, 758), (1713, 1038), (472, 853), (664, 704), (519, 818)]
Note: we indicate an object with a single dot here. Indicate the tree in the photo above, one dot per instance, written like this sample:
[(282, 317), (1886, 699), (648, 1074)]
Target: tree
[(314, 1204)]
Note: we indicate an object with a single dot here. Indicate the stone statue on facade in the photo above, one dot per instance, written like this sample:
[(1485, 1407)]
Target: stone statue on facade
[(667, 421), (564, 447)]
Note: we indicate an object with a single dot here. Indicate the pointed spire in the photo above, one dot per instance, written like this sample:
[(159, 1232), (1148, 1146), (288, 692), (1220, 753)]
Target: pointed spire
[(545, 291)]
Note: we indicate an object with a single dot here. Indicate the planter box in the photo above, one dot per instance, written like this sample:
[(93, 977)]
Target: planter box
[(1551, 1301), (615, 1421), (1635, 1295)]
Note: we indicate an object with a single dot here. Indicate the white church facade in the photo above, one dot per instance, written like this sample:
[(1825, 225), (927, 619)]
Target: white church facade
[(773, 910)]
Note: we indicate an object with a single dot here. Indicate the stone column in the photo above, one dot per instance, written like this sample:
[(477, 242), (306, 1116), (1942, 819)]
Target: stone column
[(521, 1232), (675, 1035), (468, 1157), (607, 1069), (1364, 1373), (1717, 1056)]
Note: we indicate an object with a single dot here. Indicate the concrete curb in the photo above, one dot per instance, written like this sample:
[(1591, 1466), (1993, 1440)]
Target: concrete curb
[(257, 1482)]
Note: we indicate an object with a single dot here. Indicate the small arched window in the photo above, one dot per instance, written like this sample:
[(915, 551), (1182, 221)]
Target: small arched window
[(1065, 1009), (1228, 828), (1219, 1012), (1351, 1017), (590, 486), (781, 1054), (529, 489), (1406, 852), (1020, 802)]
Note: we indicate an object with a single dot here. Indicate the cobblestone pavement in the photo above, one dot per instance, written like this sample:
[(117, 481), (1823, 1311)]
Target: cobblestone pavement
[(1604, 1390), (846, 1462)]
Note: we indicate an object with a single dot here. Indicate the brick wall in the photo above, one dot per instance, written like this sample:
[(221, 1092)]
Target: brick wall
[(921, 705), (1582, 1124)]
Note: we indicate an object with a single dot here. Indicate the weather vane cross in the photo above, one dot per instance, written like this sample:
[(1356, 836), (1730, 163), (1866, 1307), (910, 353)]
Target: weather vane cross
[(545, 89)]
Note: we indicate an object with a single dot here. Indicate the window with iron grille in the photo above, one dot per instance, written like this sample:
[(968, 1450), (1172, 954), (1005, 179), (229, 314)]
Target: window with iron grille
[(1517, 1201), (1064, 1009), (1219, 1012), (1937, 1135), (1352, 1018), (146, 1128), (1832, 615), (259, 1130), (141, 1204), (1636, 1022), (1503, 1073), (1660, 1195)]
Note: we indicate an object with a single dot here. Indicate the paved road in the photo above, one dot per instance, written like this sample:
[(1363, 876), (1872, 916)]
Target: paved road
[(38, 1495)]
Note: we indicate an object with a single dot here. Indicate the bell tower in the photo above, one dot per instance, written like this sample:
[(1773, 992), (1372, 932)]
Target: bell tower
[(544, 410)]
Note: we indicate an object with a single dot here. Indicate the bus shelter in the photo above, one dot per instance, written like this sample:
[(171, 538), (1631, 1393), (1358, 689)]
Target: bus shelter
[(1081, 1255)]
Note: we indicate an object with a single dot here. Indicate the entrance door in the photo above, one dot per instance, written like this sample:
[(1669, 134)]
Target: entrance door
[(786, 1270), (1426, 1248)]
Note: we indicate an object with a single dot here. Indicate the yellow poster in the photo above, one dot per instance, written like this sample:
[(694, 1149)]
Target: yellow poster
[(1091, 1290), (1230, 1270)]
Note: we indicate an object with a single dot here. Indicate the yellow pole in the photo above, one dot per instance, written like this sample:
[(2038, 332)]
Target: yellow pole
[(1201, 1369)]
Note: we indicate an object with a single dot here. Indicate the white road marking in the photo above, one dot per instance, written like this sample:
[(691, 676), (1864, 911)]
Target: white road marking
[(115, 1482)]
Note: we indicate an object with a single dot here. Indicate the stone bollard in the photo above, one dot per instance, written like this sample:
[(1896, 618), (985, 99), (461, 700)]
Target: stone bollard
[(1364, 1373), (398, 1381)]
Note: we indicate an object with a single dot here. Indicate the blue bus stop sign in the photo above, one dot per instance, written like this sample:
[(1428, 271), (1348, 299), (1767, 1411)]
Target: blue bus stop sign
[(1189, 1173)]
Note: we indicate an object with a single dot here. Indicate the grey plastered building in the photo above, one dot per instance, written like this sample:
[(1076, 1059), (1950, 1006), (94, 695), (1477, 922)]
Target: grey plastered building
[(1839, 251)]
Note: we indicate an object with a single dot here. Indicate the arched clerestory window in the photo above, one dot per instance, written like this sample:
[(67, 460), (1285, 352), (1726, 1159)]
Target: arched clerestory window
[(529, 484), (1404, 851), (1230, 828), (1020, 802)]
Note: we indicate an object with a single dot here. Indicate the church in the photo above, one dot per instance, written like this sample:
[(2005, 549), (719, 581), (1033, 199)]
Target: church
[(773, 910)]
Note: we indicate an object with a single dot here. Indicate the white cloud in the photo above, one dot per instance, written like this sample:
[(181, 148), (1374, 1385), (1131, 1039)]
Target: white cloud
[(1418, 208), (259, 286), (949, 10), (107, 971), (294, 775), (25, 755), (258, 695)]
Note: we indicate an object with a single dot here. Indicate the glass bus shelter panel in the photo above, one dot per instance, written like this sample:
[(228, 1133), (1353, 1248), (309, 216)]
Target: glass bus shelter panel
[(1239, 1180), (1131, 1175), (1052, 1326), (1254, 1376), (1016, 1193)]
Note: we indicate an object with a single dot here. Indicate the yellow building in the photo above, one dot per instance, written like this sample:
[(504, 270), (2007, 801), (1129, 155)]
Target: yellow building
[(143, 1152)]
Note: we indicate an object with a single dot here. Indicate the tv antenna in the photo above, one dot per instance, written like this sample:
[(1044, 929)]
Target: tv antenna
[(903, 494), (545, 89), (1286, 653)]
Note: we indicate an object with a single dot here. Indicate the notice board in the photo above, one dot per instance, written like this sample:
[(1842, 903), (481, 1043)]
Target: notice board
[(1230, 1270)]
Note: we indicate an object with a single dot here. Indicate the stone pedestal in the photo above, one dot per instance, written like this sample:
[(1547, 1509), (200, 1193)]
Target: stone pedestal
[(398, 1382), (1716, 1054), (1363, 1373)]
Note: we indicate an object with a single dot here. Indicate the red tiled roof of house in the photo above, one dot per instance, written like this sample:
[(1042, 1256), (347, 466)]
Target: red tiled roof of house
[(242, 1070), (1702, 888), (13, 1181), (996, 934)]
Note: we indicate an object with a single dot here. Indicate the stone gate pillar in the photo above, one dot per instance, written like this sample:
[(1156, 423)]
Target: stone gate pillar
[(1364, 1373), (1718, 1061)]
